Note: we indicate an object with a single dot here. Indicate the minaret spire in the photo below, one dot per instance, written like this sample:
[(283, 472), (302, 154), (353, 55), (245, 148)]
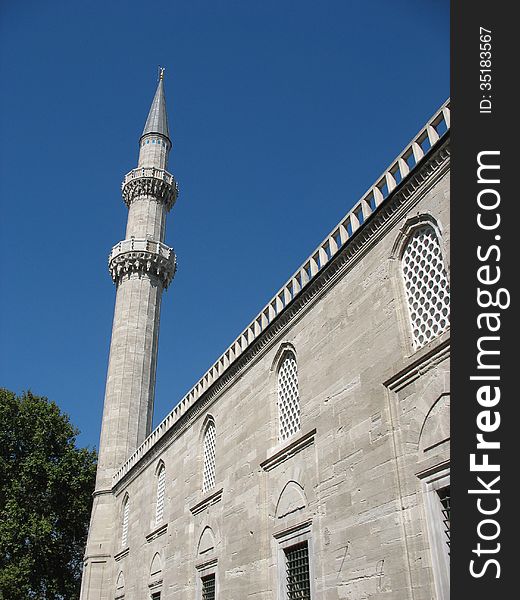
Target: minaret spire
[(142, 266), (157, 121)]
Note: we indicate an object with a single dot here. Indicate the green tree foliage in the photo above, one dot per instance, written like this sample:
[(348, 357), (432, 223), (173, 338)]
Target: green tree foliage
[(46, 485)]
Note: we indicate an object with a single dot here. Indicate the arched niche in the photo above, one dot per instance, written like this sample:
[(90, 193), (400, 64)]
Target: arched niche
[(120, 586), (291, 500), (156, 567), (436, 425), (206, 541)]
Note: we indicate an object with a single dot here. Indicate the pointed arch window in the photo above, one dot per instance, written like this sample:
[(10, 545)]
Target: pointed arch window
[(161, 485), (288, 397), (426, 285), (124, 524), (208, 477)]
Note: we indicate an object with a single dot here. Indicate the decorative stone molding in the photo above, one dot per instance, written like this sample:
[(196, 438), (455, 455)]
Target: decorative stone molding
[(142, 256), (206, 502), (420, 364), (146, 182), (303, 441), (157, 532), (122, 554), (207, 564), (294, 531)]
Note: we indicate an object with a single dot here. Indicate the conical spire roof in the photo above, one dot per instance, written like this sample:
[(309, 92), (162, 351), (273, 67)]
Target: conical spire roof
[(157, 121)]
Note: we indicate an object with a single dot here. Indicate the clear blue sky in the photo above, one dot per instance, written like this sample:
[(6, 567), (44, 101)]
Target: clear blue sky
[(282, 114)]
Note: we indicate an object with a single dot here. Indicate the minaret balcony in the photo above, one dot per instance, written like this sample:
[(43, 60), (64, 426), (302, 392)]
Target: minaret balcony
[(150, 182), (141, 257)]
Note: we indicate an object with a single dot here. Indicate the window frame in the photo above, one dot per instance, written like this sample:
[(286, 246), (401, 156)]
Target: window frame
[(160, 472), (411, 231), (207, 569), (125, 519), (431, 484), (288, 551), (204, 579), (287, 354), (210, 423), (287, 539)]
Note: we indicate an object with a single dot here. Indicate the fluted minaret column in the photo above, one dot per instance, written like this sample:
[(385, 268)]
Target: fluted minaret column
[(141, 266)]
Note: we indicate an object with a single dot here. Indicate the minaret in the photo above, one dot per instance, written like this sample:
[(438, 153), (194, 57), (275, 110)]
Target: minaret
[(141, 266)]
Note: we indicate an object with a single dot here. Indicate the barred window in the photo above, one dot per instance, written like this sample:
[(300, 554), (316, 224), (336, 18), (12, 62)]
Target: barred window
[(288, 398), (124, 528), (298, 586), (437, 496), (208, 478), (445, 500), (426, 285), (208, 587), (161, 484)]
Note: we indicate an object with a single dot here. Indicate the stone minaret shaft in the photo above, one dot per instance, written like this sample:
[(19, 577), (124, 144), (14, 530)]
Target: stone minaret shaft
[(142, 266)]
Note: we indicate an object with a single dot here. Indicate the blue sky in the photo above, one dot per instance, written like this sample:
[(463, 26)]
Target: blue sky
[(282, 114)]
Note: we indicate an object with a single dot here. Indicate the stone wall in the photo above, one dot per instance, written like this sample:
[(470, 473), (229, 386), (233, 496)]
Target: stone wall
[(353, 481)]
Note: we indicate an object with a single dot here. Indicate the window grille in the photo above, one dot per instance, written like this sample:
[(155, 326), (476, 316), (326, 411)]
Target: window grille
[(444, 497), (126, 514), (208, 587), (161, 484), (208, 479), (437, 504), (298, 585), (426, 284), (288, 398)]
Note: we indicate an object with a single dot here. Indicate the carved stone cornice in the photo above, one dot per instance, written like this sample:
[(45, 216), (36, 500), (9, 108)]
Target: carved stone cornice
[(149, 182), (142, 257)]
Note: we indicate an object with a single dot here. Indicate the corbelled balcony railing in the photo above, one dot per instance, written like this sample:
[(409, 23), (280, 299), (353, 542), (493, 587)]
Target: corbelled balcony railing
[(399, 169), (149, 172), (142, 256), (140, 245), (149, 181)]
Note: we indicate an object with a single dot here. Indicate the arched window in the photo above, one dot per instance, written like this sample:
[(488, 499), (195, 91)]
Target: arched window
[(208, 478), (124, 526), (426, 284), (161, 483), (288, 397)]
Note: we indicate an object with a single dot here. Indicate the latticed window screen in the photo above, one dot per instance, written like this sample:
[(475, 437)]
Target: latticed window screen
[(208, 479), (426, 284), (298, 584), (288, 398), (444, 497), (126, 515), (208, 587), (161, 484)]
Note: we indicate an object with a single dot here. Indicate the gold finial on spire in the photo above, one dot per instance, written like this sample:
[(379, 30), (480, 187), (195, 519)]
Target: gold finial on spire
[(161, 73)]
